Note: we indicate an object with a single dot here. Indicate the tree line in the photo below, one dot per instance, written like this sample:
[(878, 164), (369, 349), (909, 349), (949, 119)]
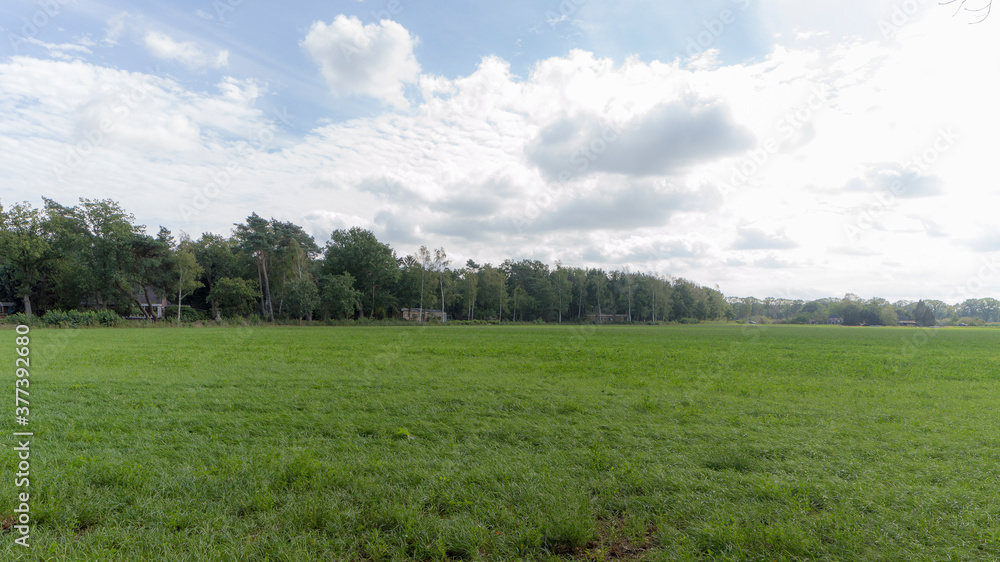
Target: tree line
[(94, 256), (854, 311)]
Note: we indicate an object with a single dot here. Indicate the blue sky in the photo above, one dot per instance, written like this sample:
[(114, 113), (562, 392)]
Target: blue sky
[(774, 148)]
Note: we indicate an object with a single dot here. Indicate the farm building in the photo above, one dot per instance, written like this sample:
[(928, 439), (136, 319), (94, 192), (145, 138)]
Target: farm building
[(6, 308), (834, 319), (606, 318), (158, 302), (423, 315)]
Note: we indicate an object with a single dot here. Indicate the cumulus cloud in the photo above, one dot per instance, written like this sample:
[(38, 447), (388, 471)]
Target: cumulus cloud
[(187, 53), (372, 60), (671, 137), (635, 204), (896, 180), (753, 239)]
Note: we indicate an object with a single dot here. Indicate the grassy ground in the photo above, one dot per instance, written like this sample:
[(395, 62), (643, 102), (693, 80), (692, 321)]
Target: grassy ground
[(505, 443)]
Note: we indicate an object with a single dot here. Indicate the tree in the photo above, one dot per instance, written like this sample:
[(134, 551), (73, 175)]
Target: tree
[(563, 289), (469, 286), (187, 271), (257, 238), (682, 301), (923, 315), (303, 298), (424, 259), (598, 283), (371, 263), (338, 297), (626, 284), (25, 244), (108, 247), (441, 263), (234, 296), (215, 255)]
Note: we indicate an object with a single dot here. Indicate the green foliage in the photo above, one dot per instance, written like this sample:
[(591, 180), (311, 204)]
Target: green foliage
[(20, 318), (338, 297), (302, 297), (234, 297), (370, 263), (85, 319), (187, 314)]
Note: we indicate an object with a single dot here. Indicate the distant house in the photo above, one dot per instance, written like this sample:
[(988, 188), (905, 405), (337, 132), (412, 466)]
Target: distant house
[(6, 308), (907, 323), (423, 314), (606, 318), (157, 301), (834, 319)]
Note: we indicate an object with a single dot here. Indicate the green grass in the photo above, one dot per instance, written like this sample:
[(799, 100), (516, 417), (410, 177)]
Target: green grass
[(506, 443)]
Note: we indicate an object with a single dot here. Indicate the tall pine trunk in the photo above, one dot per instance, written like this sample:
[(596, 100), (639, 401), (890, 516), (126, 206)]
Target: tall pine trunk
[(441, 279), (267, 284)]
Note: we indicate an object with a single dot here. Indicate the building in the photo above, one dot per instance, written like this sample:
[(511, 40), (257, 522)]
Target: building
[(907, 323), (423, 315), (834, 319), (6, 308), (157, 301), (606, 318)]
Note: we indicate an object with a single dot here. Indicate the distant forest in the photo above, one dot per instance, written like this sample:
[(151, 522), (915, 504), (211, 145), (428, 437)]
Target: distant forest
[(93, 256)]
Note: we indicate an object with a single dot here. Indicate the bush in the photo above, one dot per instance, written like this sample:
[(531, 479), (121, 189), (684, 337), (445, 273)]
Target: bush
[(188, 314), (78, 319), (21, 318)]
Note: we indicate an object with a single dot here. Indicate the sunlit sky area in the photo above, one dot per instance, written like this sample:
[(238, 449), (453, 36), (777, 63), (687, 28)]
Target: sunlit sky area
[(770, 147)]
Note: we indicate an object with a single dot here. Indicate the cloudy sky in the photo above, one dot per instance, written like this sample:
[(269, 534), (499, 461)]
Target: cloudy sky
[(770, 147)]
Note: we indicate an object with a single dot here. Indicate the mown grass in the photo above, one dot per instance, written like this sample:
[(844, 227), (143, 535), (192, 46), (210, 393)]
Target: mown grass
[(506, 443)]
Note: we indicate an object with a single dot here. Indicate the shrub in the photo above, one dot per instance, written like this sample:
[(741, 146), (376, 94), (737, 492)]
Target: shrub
[(21, 318), (188, 314), (78, 319)]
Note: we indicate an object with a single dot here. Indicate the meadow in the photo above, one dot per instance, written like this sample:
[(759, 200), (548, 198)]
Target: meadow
[(704, 442)]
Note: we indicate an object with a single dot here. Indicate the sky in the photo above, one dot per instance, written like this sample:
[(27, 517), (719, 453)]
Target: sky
[(771, 148)]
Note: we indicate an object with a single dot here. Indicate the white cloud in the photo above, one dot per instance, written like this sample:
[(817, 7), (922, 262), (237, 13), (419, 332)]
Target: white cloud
[(373, 60), (188, 53), (114, 29), (820, 129), (64, 51)]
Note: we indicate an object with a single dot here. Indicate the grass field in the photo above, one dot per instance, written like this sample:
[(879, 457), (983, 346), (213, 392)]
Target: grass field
[(505, 443)]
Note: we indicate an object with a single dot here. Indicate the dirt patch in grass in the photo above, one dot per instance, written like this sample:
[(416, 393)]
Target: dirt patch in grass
[(616, 544)]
